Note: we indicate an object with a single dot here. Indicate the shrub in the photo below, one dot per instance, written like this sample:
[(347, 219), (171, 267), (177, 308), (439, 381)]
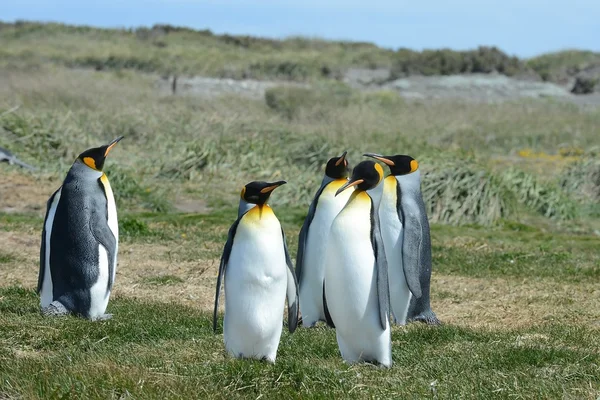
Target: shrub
[(584, 85)]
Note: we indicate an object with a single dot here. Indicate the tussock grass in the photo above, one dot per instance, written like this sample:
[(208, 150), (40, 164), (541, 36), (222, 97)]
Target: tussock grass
[(458, 193), (546, 198), (209, 148)]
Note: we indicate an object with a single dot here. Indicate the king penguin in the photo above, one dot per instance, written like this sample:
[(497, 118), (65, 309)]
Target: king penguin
[(310, 260), (356, 292), (78, 255), (258, 275), (406, 237)]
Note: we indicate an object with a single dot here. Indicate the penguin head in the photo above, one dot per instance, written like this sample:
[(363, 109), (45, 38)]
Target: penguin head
[(337, 167), (365, 176), (94, 158), (258, 192), (399, 164)]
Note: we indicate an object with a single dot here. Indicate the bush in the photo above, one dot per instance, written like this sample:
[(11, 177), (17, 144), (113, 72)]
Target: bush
[(289, 100), (584, 85), (448, 62)]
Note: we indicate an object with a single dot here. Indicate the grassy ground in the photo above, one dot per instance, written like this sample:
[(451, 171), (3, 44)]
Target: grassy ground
[(517, 292)]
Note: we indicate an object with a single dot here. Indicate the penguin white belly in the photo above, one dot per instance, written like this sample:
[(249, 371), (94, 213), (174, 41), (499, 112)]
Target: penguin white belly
[(391, 233), (311, 290), (255, 288), (99, 295), (46, 295), (98, 292), (113, 222), (351, 289)]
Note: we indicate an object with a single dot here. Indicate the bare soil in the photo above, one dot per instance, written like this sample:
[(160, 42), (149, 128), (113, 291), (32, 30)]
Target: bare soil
[(22, 193)]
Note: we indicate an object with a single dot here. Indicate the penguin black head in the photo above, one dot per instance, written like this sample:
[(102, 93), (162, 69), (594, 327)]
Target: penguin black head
[(94, 158), (399, 164), (337, 167), (365, 176), (258, 192)]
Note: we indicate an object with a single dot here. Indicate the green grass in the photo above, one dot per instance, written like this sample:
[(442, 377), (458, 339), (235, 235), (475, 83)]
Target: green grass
[(151, 350)]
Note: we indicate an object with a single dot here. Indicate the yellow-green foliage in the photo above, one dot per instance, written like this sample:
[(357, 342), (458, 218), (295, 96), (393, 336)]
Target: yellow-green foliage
[(561, 64), (175, 50)]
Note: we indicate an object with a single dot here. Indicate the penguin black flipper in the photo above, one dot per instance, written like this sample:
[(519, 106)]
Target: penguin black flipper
[(326, 310), (304, 233), (292, 289), (222, 267), (412, 246), (104, 235), (43, 245), (381, 268)]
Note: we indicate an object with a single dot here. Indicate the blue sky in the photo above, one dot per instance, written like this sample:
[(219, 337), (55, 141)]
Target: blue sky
[(520, 27)]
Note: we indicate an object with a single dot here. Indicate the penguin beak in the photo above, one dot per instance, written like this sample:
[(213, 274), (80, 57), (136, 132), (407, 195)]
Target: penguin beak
[(272, 186), (380, 158), (349, 184), (342, 159), (111, 145)]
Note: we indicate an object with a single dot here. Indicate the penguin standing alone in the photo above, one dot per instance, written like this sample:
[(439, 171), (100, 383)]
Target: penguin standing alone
[(78, 254), (406, 236), (356, 292), (258, 274), (310, 260)]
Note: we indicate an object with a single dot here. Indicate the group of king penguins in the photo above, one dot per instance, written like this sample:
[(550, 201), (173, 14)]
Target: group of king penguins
[(363, 260)]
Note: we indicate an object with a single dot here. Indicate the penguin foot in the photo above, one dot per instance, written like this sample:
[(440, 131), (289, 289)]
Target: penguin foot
[(55, 309), (428, 318), (103, 317)]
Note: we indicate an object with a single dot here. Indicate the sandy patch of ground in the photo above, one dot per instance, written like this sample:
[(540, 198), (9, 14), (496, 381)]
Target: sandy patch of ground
[(473, 302)]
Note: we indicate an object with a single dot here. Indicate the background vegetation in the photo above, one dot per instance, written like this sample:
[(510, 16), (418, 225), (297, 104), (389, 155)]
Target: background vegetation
[(512, 191), (168, 49)]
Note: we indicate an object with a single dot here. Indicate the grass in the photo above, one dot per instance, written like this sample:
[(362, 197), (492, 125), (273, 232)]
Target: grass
[(226, 142), (511, 188), (157, 350)]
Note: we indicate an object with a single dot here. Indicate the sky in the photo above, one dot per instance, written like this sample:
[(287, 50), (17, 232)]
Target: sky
[(519, 27)]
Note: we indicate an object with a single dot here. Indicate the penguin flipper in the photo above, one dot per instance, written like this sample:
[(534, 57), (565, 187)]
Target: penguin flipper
[(304, 234), (43, 245), (292, 289), (381, 267), (104, 235), (411, 252), (222, 266), (326, 310)]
